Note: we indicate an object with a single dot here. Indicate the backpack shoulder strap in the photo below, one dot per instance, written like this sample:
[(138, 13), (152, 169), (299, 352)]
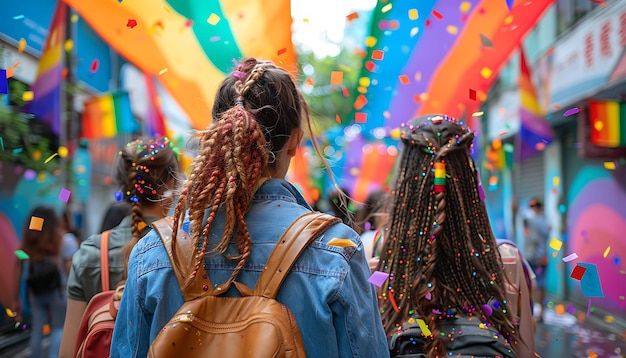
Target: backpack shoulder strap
[(292, 243), (104, 260), (182, 262)]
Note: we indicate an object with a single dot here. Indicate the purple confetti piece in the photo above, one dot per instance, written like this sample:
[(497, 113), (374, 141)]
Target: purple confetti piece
[(64, 195), (571, 257), (428, 296), (487, 310), (571, 309), (481, 191), (589, 308), (30, 174), (436, 311), (378, 278), (571, 112)]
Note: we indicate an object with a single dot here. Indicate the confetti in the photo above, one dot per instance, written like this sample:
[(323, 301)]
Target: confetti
[(590, 282), (337, 118), (556, 244), (486, 72), (360, 117), (477, 114), (437, 14), (559, 309), (472, 94), (74, 18), (36, 223), (352, 16), (428, 296), (163, 71), (571, 112), (94, 65), (509, 4), (68, 45), (571, 309), (556, 181), (578, 272), (17, 150), (64, 195), (21, 255), (4, 84), (378, 55), (30, 174), (571, 257), (10, 313), (63, 151), (606, 252), (465, 6), (282, 51), (487, 310), (370, 41), (413, 14), (336, 77), (423, 327), (214, 38), (452, 30), (414, 31), (50, 158), (360, 102), (370, 66), (213, 19), (386, 8), (588, 307), (131, 24), (485, 41), (28, 96), (22, 45), (18, 17), (378, 278), (609, 165), (404, 79)]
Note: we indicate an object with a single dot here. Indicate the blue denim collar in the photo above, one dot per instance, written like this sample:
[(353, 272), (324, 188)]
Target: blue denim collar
[(274, 189)]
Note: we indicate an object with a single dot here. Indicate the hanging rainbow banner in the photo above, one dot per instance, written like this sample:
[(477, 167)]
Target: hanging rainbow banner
[(438, 56), (190, 45), (608, 123)]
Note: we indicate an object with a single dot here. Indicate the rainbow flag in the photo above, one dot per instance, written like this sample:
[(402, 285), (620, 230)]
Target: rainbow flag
[(535, 132), (46, 103), (608, 123), (108, 116), (154, 122), (189, 44)]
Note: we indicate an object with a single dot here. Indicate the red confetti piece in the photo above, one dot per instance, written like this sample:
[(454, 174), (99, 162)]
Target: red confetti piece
[(94, 65), (404, 79), (378, 55), (578, 272), (472, 94), (346, 93), (131, 23), (360, 117), (437, 14), (282, 51), (189, 23), (360, 102), (370, 66), (337, 118), (353, 16)]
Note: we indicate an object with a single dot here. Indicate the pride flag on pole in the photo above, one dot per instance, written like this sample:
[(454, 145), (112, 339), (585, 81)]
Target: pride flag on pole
[(608, 123), (46, 102), (108, 116), (535, 132)]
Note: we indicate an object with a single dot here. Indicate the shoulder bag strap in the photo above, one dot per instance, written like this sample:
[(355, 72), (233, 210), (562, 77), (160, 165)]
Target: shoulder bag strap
[(292, 243), (104, 260)]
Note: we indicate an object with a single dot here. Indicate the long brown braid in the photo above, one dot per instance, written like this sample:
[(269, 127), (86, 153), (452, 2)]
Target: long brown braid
[(440, 251), (145, 170), (254, 113)]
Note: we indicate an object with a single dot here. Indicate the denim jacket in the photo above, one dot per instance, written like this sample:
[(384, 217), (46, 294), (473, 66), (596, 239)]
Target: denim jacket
[(327, 289)]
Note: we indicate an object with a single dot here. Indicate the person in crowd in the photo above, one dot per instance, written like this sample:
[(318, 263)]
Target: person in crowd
[(440, 252), (70, 242), (42, 242), (114, 215), (370, 219), (146, 171), (235, 206), (537, 230)]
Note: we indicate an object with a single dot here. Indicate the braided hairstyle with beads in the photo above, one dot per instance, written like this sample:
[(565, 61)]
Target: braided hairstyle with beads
[(145, 171), (439, 249), (255, 111)]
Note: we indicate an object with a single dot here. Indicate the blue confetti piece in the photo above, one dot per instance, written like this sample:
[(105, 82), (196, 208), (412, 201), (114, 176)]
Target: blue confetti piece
[(4, 84), (509, 4), (590, 282)]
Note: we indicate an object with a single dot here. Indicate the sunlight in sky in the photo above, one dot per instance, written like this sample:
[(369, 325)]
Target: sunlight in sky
[(319, 25)]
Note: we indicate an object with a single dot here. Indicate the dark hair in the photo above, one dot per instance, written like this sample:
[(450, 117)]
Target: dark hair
[(144, 171), (45, 242), (340, 204), (535, 203), (373, 206), (255, 111), (114, 215), (440, 250)]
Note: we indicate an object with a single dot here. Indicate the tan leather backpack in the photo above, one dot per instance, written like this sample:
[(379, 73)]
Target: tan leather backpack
[(253, 325)]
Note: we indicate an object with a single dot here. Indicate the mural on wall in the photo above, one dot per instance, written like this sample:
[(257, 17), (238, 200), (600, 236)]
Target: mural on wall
[(596, 223)]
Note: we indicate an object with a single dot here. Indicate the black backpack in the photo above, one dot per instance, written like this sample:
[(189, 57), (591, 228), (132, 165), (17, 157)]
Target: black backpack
[(470, 340), (44, 276)]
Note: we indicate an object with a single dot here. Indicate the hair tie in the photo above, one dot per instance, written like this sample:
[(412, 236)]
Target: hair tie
[(440, 177)]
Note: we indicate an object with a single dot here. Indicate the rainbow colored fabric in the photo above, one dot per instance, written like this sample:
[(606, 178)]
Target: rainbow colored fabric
[(190, 45), (438, 56), (608, 123), (107, 116), (46, 103)]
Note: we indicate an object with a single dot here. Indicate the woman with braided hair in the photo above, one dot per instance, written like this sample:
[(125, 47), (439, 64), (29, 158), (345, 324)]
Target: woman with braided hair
[(146, 172), (235, 206), (445, 270)]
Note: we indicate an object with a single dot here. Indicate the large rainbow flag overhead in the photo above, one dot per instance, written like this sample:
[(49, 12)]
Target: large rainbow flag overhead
[(190, 45), (438, 56), (46, 103)]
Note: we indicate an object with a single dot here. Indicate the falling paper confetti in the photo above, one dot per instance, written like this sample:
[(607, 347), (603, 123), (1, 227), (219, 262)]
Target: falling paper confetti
[(68, 45), (353, 16), (213, 19), (360, 117), (386, 8), (606, 252), (571, 257), (28, 96), (163, 71), (571, 112), (64, 195), (413, 14), (10, 313), (423, 327), (94, 65), (486, 72), (378, 55), (36, 223), (281, 51), (472, 94), (578, 272), (21, 46), (50, 158), (21, 255), (336, 78), (378, 278), (609, 165), (437, 14), (404, 79), (485, 41), (131, 23), (337, 118), (556, 244)]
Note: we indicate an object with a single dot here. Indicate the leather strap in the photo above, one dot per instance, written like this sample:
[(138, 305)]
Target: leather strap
[(292, 243), (104, 260)]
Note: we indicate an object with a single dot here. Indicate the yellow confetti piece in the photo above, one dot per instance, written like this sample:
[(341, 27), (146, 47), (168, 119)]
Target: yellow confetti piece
[(50, 158), (306, 19), (609, 319), (162, 71), (556, 181), (508, 20), (486, 72), (28, 96), (63, 151), (413, 14), (354, 171), (74, 18), (37, 155), (478, 114), (606, 252), (364, 81), (386, 8), (395, 133), (423, 327), (556, 244), (370, 41), (10, 313), (36, 223), (213, 19), (452, 30), (68, 45), (465, 6), (21, 46), (609, 165), (166, 8)]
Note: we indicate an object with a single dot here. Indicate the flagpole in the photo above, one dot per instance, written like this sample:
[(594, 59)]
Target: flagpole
[(65, 100)]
